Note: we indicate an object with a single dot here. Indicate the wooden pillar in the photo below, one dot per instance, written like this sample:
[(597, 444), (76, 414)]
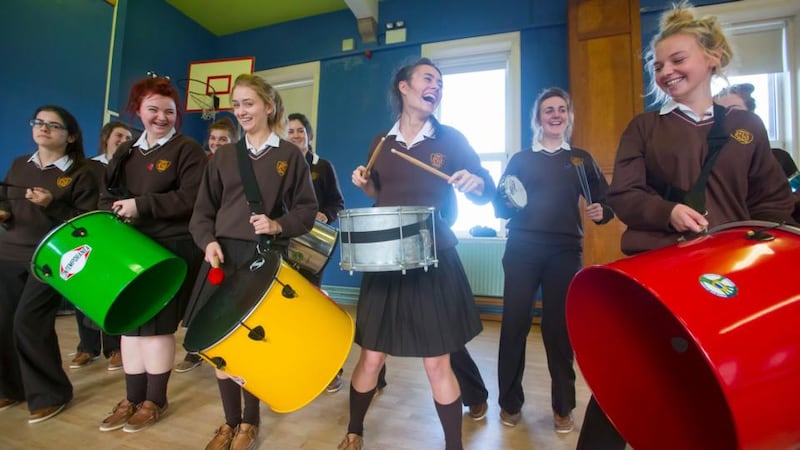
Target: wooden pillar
[(605, 65)]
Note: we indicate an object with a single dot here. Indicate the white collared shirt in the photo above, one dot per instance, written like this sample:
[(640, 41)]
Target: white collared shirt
[(63, 163), (426, 132), (102, 158), (144, 146), (272, 141), (673, 105), (538, 147)]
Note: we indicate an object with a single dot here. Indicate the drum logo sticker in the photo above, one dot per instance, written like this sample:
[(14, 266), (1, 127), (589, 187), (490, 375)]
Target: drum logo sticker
[(719, 285), (742, 136), (73, 261), (437, 160), (63, 182), (281, 167), (163, 165)]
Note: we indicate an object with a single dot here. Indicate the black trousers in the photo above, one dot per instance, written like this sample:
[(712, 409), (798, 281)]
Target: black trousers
[(91, 337), (28, 311), (529, 265), (473, 389), (597, 432)]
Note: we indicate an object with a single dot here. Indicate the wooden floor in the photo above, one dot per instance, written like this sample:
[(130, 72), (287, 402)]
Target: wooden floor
[(402, 418)]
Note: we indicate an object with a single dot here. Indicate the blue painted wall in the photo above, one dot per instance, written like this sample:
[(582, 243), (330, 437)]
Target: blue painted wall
[(53, 52)]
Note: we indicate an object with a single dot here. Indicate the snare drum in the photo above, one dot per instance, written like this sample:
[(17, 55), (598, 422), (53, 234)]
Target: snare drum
[(387, 239), (274, 333), (513, 191), (312, 250)]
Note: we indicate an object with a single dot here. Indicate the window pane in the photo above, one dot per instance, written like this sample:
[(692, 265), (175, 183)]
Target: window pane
[(470, 214), (475, 104), (762, 94)]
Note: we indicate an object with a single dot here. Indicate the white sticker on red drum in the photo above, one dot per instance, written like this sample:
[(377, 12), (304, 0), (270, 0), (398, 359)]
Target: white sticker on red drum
[(719, 285), (73, 261)]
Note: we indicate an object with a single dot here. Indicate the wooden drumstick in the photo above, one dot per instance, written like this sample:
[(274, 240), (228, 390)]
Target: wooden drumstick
[(374, 156), (422, 165)]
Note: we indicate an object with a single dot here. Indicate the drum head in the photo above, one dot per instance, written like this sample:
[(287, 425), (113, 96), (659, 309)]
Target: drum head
[(231, 303)]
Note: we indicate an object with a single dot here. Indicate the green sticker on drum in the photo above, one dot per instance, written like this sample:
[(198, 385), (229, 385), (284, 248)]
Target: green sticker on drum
[(719, 285)]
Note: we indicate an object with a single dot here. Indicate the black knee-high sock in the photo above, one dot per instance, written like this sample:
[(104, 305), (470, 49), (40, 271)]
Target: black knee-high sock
[(231, 395), (157, 388), (450, 416), (136, 387), (252, 414), (359, 403)]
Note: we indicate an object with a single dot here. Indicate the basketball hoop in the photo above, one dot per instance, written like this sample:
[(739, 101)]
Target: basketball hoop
[(206, 103)]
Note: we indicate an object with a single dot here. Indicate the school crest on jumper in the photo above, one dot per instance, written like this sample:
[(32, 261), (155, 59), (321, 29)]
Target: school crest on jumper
[(742, 136), (281, 167), (63, 182), (314, 176), (163, 165), (437, 160)]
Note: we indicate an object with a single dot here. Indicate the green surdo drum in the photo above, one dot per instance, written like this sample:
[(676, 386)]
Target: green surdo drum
[(117, 276)]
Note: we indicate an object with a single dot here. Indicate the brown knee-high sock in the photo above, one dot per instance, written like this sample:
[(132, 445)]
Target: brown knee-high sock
[(450, 416), (231, 395), (359, 403), (252, 414), (157, 388), (136, 387)]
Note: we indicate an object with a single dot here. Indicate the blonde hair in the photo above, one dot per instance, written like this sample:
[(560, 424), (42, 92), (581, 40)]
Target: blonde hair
[(707, 32), (276, 120)]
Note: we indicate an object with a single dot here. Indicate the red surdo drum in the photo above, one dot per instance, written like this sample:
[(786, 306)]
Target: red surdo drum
[(696, 345)]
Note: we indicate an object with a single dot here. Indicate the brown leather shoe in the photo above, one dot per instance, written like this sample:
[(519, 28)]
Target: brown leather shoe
[(6, 403), (563, 424), (478, 412), (351, 441), (119, 416), (115, 361), (147, 413), (82, 359), (245, 438), (42, 414), (222, 438), (508, 419)]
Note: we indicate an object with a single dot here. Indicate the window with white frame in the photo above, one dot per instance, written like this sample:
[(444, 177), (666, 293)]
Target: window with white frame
[(759, 59), (763, 34), (480, 98)]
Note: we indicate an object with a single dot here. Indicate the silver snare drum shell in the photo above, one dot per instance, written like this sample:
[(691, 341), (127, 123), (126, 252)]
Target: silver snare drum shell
[(313, 249), (389, 238), (512, 189)]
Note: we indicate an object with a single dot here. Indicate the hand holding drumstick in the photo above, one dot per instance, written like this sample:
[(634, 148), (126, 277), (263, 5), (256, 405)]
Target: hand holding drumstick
[(462, 180)]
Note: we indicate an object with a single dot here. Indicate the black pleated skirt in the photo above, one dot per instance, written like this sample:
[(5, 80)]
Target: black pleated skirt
[(420, 313), (167, 320)]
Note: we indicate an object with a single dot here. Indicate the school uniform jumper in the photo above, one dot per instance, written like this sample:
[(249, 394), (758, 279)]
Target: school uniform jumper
[(221, 212), (164, 181)]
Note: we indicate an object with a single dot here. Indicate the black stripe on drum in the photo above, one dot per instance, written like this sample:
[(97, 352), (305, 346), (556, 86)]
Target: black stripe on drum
[(392, 234)]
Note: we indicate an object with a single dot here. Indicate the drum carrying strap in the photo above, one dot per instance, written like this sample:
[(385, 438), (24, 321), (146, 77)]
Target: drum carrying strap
[(695, 198), (251, 193)]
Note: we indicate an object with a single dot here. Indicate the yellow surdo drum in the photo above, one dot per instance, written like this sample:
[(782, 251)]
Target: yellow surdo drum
[(274, 333)]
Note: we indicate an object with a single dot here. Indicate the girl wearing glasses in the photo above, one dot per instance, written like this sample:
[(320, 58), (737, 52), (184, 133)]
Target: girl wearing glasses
[(61, 187)]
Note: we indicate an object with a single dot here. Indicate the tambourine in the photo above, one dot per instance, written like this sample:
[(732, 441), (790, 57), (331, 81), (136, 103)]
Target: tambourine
[(513, 191)]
